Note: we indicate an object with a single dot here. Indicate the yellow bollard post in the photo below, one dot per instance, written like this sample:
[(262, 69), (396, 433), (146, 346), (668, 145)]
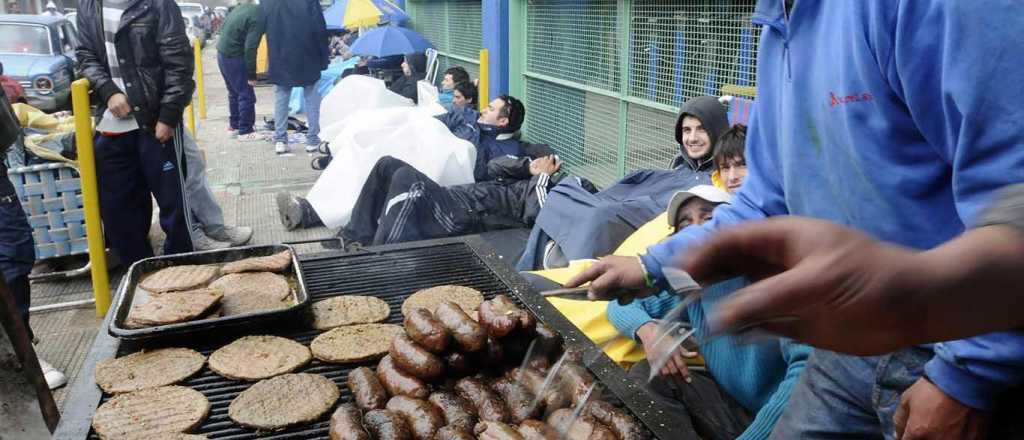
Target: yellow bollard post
[(190, 119), (198, 51), (90, 195), (485, 71)]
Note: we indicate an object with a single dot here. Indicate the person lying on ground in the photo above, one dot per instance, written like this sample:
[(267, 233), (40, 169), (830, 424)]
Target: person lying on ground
[(577, 225), (492, 134), (854, 294), (452, 76), (414, 68), (892, 135), (464, 95), (399, 204)]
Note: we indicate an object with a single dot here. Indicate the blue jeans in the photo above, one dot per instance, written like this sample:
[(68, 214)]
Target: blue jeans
[(241, 97), (841, 397), (281, 98)]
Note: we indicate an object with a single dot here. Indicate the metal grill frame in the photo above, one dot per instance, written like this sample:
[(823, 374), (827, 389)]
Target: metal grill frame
[(663, 52), (85, 396)]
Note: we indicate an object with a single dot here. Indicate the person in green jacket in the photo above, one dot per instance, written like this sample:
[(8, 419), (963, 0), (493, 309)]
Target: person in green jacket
[(236, 56)]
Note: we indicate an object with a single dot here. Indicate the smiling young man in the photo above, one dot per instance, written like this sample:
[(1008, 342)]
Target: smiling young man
[(577, 225)]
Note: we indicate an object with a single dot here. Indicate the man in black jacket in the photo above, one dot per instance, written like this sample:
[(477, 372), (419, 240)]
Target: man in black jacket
[(17, 249), (399, 204), (297, 51), (413, 70), (137, 57)]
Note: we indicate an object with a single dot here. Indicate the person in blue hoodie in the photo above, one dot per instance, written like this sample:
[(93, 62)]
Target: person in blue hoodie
[(872, 115)]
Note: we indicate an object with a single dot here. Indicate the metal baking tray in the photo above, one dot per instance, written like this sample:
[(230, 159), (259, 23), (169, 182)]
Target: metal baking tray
[(128, 292)]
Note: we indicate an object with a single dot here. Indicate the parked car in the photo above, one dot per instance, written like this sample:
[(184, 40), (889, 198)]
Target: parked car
[(39, 52)]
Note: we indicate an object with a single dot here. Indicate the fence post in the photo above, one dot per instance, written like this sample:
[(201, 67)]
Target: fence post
[(90, 195), (198, 51), (190, 119), (482, 88)]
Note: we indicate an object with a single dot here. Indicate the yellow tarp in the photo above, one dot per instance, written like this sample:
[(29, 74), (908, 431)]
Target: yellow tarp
[(591, 316)]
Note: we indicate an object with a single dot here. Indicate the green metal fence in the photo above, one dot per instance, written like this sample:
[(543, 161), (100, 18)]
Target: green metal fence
[(603, 79), (454, 28)]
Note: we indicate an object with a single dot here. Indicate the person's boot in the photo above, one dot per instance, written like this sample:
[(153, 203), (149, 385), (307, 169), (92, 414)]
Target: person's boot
[(54, 377), (202, 242), (235, 235)]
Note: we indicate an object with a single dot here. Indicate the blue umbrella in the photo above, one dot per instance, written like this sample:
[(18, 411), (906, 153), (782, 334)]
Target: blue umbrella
[(383, 11), (390, 40)]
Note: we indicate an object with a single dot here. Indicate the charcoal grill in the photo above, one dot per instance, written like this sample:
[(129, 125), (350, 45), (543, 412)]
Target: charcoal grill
[(391, 273)]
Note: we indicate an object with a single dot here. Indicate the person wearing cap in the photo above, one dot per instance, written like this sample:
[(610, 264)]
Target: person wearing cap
[(750, 383), (578, 225)]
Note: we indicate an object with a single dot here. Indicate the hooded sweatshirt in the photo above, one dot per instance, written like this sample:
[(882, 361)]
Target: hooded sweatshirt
[(715, 120), (884, 127), (406, 85)]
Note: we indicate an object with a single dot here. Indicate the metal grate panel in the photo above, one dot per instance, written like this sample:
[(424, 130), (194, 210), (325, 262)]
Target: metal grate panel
[(574, 40), (464, 32), (454, 27), (650, 138), (575, 54), (682, 50), (581, 126)]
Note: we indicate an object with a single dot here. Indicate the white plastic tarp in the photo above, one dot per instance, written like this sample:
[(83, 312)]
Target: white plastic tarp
[(353, 94), (407, 133)]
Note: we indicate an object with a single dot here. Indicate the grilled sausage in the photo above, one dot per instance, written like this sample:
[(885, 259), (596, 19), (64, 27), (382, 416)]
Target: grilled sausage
[(398, 382), (500, 316), (518, 399), (492, 354), (583, 428), (496, 431), (468, 335), (618, 421), (426, 331), (489, 406), (386, 425), (458, 363), (547, 338), (458, 412), (554, 398), (537, 430), (424, 418), (367, 389), (452, 433), (415, 360), (347, 424), (576, 380)]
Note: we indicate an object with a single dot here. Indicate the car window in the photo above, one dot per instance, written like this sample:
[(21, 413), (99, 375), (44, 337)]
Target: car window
[(24, 39), (70, 38)]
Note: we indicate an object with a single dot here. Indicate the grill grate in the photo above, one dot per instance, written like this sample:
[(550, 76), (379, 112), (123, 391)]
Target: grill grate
[(391, 274)]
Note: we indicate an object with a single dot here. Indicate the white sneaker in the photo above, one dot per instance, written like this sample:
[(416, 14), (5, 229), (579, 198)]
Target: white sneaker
[(203, 243), (280, 147), (54, 378), (236, 235), (232, 133), (250, 137), (312, 148)]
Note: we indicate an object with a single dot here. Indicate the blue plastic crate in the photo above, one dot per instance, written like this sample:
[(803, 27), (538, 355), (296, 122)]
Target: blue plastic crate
[(52, 197)]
